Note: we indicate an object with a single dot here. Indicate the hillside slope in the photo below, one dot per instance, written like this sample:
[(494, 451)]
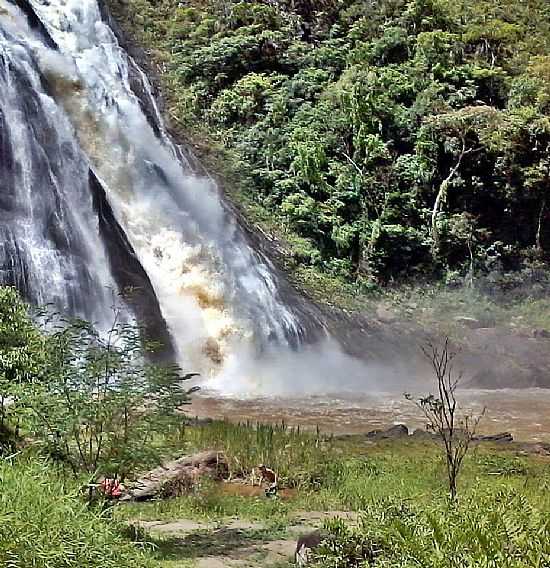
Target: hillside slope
[(387, 141)]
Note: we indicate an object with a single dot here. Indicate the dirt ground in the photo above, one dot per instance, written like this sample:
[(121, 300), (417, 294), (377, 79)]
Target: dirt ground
[(236, 543)]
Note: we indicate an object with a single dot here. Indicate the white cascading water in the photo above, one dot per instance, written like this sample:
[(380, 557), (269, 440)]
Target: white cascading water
[(49, 242), (219, 299)]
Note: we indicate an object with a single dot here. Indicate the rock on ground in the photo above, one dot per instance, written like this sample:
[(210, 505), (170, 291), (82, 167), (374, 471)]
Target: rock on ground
[(392, 433)]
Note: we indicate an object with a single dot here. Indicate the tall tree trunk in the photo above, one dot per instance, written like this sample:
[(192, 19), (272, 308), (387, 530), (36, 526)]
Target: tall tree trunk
[(440, 199)]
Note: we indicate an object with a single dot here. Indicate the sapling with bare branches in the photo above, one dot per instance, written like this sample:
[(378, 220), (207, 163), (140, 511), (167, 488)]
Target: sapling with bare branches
[(455, 428)]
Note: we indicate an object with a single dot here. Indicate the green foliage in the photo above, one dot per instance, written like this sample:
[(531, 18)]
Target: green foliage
[(398, 138), (294, 454), (44, 523), (22, 352), (499, 528), (99, 405), (89, 397)]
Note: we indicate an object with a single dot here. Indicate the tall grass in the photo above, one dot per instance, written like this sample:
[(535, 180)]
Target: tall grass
[(498, 528), (293, 453), (44, 523)]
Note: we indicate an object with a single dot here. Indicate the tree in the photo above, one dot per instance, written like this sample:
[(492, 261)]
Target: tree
[(99, 405), (22, 351), (456, 430), (397, 139), (464, 132)]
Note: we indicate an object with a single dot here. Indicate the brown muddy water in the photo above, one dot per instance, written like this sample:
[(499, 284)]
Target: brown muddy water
[(525, 413)]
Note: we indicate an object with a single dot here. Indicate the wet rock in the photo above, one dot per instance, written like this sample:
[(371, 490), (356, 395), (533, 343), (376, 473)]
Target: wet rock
[(509, 374), (393, 433), (501, 437), (177, 477)]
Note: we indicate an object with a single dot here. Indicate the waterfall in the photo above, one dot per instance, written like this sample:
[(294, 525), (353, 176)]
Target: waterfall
[(49, 241), (73, 132)]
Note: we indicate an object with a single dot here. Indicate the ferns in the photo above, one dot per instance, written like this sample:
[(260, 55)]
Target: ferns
[(486, 530)]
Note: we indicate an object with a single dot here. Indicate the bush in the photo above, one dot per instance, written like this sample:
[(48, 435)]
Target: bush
[(99, 405), (89, 397), (22, 355)]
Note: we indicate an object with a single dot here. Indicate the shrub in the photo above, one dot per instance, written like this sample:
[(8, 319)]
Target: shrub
[(498, 528), (22, 350), (99, 405)]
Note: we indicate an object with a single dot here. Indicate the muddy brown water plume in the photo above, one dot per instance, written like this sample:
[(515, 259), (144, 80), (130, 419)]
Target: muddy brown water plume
[(523, 412)]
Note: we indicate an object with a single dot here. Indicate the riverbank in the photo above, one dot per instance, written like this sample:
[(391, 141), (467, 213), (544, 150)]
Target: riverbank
[(522, 412), (235, 524)]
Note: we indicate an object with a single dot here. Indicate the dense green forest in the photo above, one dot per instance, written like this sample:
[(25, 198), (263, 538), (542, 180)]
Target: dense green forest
[(389, 140)]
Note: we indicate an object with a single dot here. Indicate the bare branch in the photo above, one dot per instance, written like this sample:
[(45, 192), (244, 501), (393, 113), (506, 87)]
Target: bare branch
[(441, 411)]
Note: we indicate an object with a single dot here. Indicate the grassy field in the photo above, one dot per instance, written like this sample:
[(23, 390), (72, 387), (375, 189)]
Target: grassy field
[(45, 522), (397, 488), (343, 473)]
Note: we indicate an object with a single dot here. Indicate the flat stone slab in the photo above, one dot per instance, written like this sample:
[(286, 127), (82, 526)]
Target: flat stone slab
[(243, 551)]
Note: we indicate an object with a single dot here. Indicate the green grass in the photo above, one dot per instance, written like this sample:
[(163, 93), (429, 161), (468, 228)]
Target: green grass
[(498, 527), (45, 523), (340, 474), (293, 452), (398, 487)]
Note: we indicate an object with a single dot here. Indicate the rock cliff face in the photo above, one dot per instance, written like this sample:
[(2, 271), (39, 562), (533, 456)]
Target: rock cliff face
[(129, 274)]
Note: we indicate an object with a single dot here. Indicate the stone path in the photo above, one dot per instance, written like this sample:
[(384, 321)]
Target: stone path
[(236, 543)]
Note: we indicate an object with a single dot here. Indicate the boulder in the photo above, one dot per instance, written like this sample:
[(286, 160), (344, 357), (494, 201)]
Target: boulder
[(470, 323), (541, 333), (392, 433), (306, 544), (177, 477)]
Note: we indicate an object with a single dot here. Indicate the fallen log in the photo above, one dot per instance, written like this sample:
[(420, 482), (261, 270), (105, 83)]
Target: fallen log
[(177, 477)]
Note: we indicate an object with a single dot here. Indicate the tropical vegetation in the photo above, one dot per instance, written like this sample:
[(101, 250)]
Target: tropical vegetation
[(387, 141)]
